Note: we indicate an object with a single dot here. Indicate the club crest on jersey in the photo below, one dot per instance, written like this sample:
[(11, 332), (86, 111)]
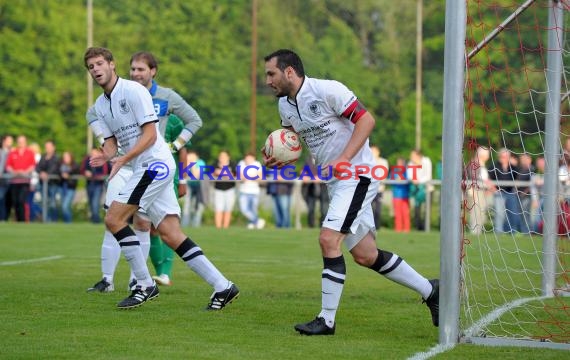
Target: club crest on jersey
[(314, 109), (123, 107)]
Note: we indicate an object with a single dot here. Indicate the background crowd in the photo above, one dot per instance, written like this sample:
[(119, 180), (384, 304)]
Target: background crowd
[(32, 178), (504, 191)]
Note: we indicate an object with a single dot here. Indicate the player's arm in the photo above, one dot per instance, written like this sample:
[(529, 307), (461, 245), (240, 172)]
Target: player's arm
[(147, 139), (363, 126), (190, 117), (110, 148), (336, 95), (104, 137)]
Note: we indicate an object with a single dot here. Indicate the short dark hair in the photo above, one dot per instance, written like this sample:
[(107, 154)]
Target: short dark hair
[(147, 57), (286, 58), (97, 51)]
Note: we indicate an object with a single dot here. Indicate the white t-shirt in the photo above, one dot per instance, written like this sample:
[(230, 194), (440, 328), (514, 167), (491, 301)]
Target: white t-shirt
[(123, 114), (316, 115), (247, 174)]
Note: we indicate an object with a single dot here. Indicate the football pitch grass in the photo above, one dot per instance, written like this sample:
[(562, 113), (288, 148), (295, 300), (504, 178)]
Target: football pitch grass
[(46, 312)]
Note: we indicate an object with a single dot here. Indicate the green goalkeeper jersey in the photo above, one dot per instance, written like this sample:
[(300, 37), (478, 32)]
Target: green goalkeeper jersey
[(174, 127)]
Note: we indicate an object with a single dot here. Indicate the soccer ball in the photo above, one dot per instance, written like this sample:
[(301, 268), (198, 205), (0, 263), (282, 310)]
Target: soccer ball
[(283, 145)]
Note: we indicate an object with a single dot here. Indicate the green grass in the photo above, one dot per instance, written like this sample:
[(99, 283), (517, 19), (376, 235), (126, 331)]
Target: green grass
[(46, 313)]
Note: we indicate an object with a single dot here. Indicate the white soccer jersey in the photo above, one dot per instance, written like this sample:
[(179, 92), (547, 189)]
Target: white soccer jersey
[(316, 115), (97, 127), (122, 115)]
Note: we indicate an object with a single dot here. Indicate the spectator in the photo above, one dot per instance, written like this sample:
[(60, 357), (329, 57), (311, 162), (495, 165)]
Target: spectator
[(536, 193), (6, 146), (401, 197), (48, 169), (564, 177), (525, 171), (505, 200), (377, 202), (224, 191), (68, 172), (313, 191), (420, 186), (95, 177), (34, 201), (195, 199), (249, 190), (477, 189), (281, 192), (20, 164)]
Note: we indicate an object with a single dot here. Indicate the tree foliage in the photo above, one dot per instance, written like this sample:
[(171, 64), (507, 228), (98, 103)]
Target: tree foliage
[(204, 50)]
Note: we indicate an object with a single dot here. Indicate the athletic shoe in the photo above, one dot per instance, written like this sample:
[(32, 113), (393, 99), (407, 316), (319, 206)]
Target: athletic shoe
[(162, 279), (315, 327), (251, 226), (260, 223), (132, 284), (220, 299), (138, 297), (102, 286), (432, 302)]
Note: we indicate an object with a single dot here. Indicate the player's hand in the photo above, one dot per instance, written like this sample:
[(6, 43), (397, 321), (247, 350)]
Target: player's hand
[(172, 148), (333, 166), (97, 159), (117, 163), (270, 161)]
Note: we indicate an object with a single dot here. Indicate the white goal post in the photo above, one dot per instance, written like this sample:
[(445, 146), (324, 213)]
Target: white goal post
[(504, 288)]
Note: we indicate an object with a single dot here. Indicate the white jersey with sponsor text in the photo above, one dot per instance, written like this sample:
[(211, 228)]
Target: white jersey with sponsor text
[(123, 113), (316, 115)]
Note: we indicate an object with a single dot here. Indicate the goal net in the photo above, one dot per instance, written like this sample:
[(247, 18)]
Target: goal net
[(515, 254)]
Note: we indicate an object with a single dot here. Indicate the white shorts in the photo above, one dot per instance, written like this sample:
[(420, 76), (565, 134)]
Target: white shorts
[(224, 200), (116, 184), (350, 210), (155, 197)]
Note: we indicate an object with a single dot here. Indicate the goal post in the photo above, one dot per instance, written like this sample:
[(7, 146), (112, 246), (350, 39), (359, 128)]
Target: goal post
[(452, 144), (505, 281), (552, 145)]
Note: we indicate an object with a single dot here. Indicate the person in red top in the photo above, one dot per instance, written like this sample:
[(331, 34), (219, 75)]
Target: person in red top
[(20, 164)]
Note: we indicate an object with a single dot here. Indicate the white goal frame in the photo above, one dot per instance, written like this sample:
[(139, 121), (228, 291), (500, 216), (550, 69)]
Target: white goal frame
[(451, 237)]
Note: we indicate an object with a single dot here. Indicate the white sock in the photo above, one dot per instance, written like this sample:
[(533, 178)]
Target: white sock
[(144, 240), (404, 274), (110, 254), (131, 249), (333, 276), (199, 263)]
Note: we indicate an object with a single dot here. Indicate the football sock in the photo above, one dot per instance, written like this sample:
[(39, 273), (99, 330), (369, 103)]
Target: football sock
[(199, 263), (334, 273), (131, 249), (394, 268), (144, 240), (168, 257), (156, 250), (110, 254)]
